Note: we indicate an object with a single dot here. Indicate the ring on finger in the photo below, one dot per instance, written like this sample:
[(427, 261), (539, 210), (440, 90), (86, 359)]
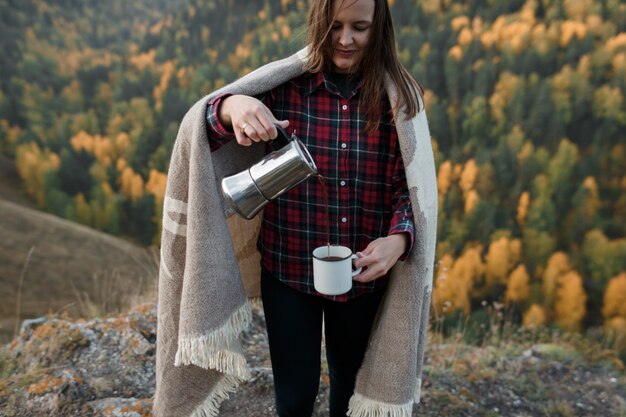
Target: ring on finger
[(243, 128)]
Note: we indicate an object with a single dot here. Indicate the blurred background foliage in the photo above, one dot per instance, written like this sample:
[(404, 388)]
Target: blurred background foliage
[(525, 100)]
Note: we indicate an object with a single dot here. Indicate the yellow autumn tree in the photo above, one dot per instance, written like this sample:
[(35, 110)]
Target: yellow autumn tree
[(144, 60), (503, 92), (514, 35), (82, 141), (12, 133), (615, 298), (540, 39), (456, 53), (518, 286), (444, 178), (448, 298), (535, 316), (121, 164), (455, 281), (156, 186), (168, 69), (131, 184), (101, 147), (459, 22), (558, 265), (33, 164), (465, 37), (468, 176), (474, 267), (570, 301), (571, 29), (471, 199), (467, 270), (502, 255), (488, 39)]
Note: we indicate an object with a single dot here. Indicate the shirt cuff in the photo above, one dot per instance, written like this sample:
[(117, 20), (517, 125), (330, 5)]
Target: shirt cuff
[(404, 225), (217, 131)]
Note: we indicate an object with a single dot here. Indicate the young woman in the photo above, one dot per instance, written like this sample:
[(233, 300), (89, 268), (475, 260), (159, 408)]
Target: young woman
[(340, 109)]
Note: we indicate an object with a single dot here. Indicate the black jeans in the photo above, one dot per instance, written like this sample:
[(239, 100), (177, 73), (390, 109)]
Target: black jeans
[(294, 327)]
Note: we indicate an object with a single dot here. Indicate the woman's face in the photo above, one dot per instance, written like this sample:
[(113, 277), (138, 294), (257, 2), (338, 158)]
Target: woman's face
[(350, 32)]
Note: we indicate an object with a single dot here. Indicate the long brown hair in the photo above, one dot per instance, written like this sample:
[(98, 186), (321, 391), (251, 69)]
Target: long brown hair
[(379, 59)]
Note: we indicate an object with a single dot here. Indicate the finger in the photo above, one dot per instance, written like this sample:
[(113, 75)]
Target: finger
[(372, 272), (368, 250), (283, 123), (368, 256), (365, 276), (363, 261), (263, 124), (267, 122), (253, 130), (241, 137), (270, 122)]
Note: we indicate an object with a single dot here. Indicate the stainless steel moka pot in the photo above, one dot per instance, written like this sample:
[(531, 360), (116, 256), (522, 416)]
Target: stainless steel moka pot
[(282, 169)]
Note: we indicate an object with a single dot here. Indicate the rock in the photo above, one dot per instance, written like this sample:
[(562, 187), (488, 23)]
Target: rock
[(31, 324), (121, 407), (104, 367)]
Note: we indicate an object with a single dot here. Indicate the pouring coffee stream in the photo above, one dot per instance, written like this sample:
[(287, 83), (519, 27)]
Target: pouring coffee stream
[(322, 182)]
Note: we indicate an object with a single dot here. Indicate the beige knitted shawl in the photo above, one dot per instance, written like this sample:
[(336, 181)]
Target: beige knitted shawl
[(202, 305)]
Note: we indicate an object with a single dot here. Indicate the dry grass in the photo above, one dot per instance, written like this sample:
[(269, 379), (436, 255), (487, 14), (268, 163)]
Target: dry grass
[(497, 368), (72, 270)]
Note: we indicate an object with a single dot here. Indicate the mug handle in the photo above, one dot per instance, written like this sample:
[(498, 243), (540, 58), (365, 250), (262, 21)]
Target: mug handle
[(358, 270)]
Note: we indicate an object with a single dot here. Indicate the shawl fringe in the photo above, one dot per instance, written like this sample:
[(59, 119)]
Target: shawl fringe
[(361, 406), (211, 405), (211, 351)]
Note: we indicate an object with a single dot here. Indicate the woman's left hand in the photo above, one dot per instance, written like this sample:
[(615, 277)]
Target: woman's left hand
[(379, 256)]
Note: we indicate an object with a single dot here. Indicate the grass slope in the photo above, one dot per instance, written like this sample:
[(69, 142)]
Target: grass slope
[(71, 268)]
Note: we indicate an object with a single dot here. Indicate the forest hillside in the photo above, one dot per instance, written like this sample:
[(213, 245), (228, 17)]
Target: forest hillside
[(525, 100)]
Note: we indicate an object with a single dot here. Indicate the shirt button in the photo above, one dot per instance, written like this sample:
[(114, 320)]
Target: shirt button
[(344, 146), (342, 183), (344, 107), (343, 220)]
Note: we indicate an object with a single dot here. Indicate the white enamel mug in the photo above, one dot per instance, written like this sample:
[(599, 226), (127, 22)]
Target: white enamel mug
[(333, 275)]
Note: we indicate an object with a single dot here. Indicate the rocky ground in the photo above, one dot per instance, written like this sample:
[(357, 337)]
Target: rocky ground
[(105, 368)]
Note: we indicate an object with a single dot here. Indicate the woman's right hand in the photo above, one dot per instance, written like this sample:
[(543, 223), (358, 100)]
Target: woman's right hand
[(250, 119)]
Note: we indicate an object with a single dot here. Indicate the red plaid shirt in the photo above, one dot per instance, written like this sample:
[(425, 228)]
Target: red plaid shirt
[(367, 190)]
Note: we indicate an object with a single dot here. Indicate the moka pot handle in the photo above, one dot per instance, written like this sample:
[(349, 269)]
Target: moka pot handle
[(281, 140)]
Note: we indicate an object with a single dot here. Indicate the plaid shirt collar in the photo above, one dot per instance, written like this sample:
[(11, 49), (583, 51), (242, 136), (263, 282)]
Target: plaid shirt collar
[(319, 79)]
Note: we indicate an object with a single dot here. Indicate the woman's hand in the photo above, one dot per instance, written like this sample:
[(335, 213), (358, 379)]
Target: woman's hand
[(380, 255), (250, 119)]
